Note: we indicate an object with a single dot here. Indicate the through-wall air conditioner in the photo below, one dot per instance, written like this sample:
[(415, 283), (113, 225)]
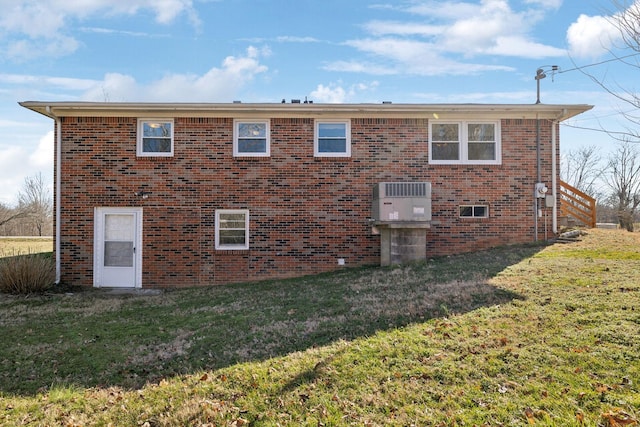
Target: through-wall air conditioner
[(402, 201)]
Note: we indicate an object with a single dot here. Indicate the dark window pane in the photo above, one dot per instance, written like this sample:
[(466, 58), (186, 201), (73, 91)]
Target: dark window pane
[(232, 237), (118, 254), (252, 145), (466, 210), (482, 132), (156, 145), (445, 151), (332, 145), (480, 211), (445, 132), (482, 151)]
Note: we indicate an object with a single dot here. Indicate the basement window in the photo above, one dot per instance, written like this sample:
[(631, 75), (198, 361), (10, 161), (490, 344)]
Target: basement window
[(232, 229), (474, 211), (155, 137)]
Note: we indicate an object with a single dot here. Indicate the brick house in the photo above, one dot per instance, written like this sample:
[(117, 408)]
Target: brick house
[(186, 194)]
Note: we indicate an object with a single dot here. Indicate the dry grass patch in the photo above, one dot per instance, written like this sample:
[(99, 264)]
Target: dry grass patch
[(26, 274), (11, 246)]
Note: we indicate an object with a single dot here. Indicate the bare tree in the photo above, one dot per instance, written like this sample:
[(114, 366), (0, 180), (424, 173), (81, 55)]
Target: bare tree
[(582, 169), (626, 19), (35, 199), (622, 176), (622, 172), (8, 214)]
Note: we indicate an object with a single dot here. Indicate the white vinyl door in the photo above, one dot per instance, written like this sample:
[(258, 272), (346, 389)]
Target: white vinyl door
[(117, 260)]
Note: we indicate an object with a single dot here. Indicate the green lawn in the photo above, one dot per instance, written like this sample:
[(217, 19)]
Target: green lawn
[(514, 336)]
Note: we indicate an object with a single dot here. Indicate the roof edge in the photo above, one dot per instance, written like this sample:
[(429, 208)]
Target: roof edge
[(443, 111)]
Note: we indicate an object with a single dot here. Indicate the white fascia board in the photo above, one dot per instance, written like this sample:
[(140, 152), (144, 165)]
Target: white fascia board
[(271, 110)]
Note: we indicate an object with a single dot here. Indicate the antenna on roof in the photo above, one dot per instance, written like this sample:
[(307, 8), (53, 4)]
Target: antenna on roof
[(541, 74)]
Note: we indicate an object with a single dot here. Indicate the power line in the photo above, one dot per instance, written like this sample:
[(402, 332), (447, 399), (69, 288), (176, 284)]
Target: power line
[(608, 132), (595, 117), (618, 58)]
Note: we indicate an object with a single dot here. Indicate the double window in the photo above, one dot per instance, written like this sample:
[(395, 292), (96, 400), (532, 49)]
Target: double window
[(472, 142), (251, 138), (232, 229), (332, 138), (474, 211), (155, 137)]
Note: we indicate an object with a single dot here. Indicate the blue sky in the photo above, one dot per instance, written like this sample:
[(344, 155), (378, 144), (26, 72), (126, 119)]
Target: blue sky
[(335, 51)]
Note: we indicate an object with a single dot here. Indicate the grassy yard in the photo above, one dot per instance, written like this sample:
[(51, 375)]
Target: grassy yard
[(528, 335), (10, 246)]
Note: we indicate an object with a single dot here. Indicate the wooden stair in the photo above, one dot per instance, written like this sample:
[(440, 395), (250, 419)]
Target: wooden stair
[(576, 205)]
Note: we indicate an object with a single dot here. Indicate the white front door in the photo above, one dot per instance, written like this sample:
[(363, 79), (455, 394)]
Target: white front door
[(117, 248)]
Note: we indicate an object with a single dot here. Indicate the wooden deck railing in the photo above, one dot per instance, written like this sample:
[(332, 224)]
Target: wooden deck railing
[(577, 205)]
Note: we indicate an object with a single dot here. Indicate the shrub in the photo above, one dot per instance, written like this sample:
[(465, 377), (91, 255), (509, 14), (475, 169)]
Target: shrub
[(27, 274)]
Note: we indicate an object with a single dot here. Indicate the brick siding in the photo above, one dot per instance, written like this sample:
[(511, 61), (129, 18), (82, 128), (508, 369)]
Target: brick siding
[(305, 212)]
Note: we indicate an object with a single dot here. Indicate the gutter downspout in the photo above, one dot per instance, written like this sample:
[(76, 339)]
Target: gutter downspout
[(536, 206), (58, 175), (554, 180)]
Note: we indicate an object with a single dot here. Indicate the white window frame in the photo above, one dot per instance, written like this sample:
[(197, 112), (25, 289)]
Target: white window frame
[(236, 135), (222, 246), (463, 138), (140, 143), (473, 211), (316, 135)]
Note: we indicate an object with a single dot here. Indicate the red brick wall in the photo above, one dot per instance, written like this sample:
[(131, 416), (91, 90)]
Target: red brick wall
[(305, 212)]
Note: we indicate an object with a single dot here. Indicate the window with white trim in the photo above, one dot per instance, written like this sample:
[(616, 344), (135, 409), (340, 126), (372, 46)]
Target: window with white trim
[(332, 138), (155, 137), (464, 142), (232, 229), (474, 211), (251, 138)]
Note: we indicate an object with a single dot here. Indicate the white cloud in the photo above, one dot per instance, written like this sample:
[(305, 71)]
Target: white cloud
[(443, 10), (294, 39), (381, 28), (27, 49), (17, 163), (447, 34), (361, 67), (494, 28), (329, 94), (514, 46), (334, 93), (42, 158), (219, 84), (11, 163), (37, 28), (591, 36), (100, 30), (516, 97), (409, 57), (57, 82), (548, 4)]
